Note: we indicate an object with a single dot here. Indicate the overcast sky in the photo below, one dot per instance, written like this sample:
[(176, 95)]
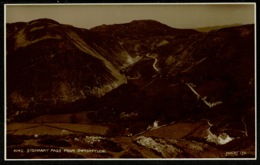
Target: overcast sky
[(174, 15)]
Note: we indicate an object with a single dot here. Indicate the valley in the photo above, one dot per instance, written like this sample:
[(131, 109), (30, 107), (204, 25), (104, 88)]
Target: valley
[(135, 90)]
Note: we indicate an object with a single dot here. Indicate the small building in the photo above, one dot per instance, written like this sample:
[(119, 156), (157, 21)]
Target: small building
[(155, 124)]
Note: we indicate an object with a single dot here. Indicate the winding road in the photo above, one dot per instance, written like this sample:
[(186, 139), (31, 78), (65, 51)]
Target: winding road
[(155, 68), (155, 61)]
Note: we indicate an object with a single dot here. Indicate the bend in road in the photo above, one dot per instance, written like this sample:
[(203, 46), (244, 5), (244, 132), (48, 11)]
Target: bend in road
[(155, 61)]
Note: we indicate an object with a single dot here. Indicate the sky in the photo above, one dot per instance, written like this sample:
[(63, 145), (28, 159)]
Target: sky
[(174, 15)]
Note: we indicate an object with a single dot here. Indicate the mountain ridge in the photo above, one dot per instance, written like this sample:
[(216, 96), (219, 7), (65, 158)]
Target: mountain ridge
[(210, 28), (138, 90), (69, 64), (140, 28)]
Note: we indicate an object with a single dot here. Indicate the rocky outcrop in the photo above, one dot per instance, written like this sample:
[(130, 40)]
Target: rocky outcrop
[(167, 151)]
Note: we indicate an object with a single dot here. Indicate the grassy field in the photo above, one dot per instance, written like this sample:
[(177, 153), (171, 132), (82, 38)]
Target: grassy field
[(55, 129), (81, 117), (75, 141), (175, 131)]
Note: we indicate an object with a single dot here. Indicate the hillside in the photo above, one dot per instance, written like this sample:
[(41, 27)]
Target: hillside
[(136, 79), (55, 63), (211, 28)]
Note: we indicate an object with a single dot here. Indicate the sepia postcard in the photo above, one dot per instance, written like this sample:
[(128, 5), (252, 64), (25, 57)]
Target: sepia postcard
[(152, 81)]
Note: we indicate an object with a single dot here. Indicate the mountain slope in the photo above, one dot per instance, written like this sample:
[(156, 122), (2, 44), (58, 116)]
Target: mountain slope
[(218, 66), (155, 71), (53, 63), (142, 36)]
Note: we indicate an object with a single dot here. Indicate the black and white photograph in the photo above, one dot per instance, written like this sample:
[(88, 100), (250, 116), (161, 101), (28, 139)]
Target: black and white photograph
[(146, 81)]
